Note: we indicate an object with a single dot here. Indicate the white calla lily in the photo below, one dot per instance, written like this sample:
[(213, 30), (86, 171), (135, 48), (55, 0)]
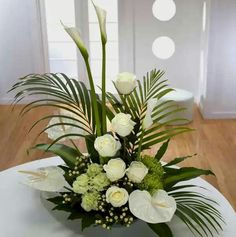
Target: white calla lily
[(101, 14), (73, 32), (147, 122), (158, 208), (49, 179)]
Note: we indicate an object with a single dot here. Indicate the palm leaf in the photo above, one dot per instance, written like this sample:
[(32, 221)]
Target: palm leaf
[(62, 93), (197, 211)]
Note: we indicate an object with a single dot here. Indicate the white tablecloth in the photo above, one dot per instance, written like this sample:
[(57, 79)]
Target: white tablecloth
[(24, 214)]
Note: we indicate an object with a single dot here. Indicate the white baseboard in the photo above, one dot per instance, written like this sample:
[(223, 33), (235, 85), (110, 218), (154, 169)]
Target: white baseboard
[(219, 115)]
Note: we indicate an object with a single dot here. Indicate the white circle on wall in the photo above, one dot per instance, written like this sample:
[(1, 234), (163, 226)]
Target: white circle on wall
[(163, 47), (164, 10)]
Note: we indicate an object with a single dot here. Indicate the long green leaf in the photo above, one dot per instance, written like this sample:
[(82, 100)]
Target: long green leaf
[(183, 174), (162, 229), (67, 153)]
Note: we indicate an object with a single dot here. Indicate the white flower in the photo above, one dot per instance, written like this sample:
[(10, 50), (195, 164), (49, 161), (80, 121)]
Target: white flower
[(48, 179), (158, 208), (147, 122), (125, 83), (61, 130), (75, 35), (136, 171), (117, 197), (101, 14), (122, 124), (115, 169), (107, 145)]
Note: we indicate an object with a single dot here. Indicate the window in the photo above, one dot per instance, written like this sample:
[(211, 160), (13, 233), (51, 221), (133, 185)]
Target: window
[(61, 49)]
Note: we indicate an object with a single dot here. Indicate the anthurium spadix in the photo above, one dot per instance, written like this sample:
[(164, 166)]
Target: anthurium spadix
[(101, 14)]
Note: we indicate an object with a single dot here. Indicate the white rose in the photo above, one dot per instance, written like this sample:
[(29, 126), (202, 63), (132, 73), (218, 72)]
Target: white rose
[(125, 83), (117, 196), (136, 172), (122, 124), (107, 145), (115, 169)]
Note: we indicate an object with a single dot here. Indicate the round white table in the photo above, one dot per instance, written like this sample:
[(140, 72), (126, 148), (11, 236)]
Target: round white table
[(23, 213)]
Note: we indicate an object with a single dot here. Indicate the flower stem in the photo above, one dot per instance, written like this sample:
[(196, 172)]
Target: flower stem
[(104, 123), (93, 97)]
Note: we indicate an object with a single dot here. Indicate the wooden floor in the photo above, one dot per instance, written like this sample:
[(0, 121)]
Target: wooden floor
[(213, 140)]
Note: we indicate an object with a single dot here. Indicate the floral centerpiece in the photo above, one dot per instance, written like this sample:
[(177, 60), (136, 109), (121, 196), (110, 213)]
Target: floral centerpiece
[(115, 183)]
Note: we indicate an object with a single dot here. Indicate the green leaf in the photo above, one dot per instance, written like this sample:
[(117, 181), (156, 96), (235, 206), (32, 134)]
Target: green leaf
[(56, 200), (197, 212), (94, 156), (67, 153), (178, 160), (162, 229), (175, 176), (86, 219), (162, 150)]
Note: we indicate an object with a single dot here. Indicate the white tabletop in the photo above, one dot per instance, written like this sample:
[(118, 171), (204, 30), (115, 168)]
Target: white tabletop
[(23, 213)]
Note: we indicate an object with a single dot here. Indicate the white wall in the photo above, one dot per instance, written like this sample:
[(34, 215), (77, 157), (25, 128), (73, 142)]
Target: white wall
[(21, 50), (218, 99), (182, 69)]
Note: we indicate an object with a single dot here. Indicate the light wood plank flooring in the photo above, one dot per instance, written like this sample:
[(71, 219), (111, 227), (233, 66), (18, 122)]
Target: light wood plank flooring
[(213, 140)]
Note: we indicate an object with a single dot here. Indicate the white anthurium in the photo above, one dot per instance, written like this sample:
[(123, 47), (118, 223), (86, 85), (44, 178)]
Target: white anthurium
[(57, 131), (159, 208), (49, 179), (73, 32), (101, 14), (147, 122)]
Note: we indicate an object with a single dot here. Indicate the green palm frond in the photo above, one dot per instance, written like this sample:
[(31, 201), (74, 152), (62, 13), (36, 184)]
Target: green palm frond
[(152, 87), (59, 92), (198, 212)]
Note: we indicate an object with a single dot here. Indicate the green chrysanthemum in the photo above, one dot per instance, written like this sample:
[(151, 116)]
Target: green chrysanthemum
[(90, 201), (151, 183), (153, 180), (81, 184), (94, 169), (100, 181), (153, 165)]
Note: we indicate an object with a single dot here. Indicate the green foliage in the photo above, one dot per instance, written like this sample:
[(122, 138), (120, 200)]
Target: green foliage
[(153, 165), (67, 153), (162, 229), (153, 180), (178, 160), (197, 212), (162, 150), (152, 87), (151, 183), (174, 176)]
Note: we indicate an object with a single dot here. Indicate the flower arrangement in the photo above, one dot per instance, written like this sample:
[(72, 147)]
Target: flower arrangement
[(115, 183)]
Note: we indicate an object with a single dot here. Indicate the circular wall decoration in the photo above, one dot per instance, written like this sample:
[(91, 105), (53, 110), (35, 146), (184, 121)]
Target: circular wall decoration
[(164, 10), (163, 47)]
